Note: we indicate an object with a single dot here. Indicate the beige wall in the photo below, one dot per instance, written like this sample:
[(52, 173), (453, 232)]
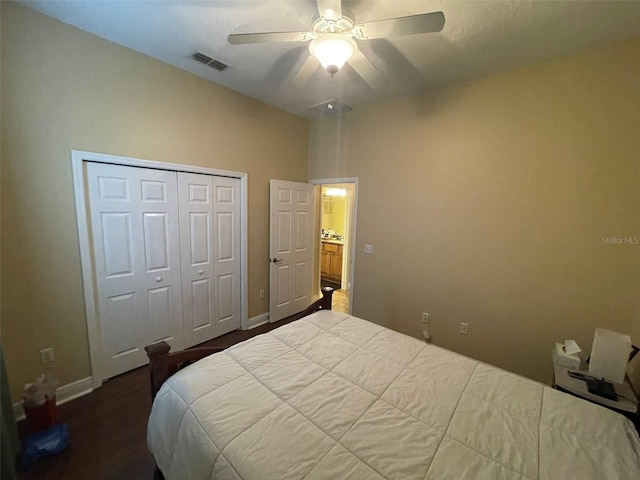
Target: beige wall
[(64, 89), (487, 203)]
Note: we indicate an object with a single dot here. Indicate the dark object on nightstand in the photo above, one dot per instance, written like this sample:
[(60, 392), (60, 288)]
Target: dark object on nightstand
[(602, 388), (599, 387)]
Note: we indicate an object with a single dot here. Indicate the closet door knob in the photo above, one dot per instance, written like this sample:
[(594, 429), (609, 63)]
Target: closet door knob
[(158, 279), (200, 272)]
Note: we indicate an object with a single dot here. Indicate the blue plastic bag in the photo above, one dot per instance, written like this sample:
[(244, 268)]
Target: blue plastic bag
[(47, 442)]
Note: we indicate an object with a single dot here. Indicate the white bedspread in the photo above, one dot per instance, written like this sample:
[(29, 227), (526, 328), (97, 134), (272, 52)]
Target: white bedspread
[(332, 396)]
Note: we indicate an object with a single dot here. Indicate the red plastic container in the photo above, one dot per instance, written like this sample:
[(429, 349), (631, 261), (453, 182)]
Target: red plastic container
[(41, 417)]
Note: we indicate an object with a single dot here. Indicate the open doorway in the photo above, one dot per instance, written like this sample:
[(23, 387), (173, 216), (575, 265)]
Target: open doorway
[(337, 238)]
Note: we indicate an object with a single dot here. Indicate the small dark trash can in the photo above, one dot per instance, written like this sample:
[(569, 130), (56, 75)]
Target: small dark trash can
[(41, 417)]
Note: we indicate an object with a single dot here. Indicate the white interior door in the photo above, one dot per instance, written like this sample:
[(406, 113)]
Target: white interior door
[(210, 254), (134, 221), (291, 247)]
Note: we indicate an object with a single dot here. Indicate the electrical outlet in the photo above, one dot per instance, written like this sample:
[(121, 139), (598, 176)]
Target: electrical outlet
[(425, 317), (46, 355), (368, 249), (261, 293), (464, 327)]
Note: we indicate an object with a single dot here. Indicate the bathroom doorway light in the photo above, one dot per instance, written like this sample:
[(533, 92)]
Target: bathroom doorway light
[(336, 192)]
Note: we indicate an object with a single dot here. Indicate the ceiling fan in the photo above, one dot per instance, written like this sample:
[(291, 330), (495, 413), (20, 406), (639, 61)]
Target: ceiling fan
[(333, 38)]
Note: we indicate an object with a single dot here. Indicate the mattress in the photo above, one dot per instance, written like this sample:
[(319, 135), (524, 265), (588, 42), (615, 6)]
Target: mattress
[(332, 396)]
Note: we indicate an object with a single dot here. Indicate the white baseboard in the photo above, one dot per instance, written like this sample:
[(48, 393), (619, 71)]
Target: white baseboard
[(64, 394), (258, 320)]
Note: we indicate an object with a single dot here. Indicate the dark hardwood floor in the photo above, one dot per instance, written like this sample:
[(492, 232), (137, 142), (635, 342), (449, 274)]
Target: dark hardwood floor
[(107, 428)]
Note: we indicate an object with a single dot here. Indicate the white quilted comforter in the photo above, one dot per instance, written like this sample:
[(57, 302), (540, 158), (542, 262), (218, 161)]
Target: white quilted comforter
[(332, 396)]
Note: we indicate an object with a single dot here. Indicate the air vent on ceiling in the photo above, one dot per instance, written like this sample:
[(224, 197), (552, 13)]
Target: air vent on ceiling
[(330, 108), (210, 62)]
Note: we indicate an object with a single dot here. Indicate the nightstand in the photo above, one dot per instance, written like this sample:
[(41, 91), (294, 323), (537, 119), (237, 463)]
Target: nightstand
[(627, 403)]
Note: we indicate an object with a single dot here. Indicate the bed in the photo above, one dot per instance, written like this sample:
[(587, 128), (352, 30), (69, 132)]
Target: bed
[(332, 396)]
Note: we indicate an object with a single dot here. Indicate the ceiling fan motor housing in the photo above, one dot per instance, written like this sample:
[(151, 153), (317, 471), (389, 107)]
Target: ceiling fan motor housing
[(345, 24)]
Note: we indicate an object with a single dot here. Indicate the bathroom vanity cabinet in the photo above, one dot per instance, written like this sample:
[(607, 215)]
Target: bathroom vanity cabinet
[(331, 264)]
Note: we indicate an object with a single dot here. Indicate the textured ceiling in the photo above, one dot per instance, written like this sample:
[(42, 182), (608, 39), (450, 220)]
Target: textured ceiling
[(479, 37)]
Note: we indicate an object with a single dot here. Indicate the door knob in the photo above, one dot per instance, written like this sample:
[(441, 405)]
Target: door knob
[(200, 272), (277, 261), (158, 279)]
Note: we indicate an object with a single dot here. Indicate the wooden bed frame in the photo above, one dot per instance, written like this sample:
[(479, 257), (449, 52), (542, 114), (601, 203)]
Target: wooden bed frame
[(164, 364)]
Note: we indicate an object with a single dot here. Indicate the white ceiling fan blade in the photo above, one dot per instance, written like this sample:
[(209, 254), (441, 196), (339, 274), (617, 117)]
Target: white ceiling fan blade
[(414, 24), (330, 9), (242, 38), (366, 70), (305, 72)]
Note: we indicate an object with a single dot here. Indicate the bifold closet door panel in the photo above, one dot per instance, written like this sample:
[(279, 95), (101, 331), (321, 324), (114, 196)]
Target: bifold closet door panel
[(226, 253), (196, 210), (134, 224), (210, 254)]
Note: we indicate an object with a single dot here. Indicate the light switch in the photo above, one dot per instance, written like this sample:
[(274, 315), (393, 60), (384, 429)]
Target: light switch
[(368, 248)]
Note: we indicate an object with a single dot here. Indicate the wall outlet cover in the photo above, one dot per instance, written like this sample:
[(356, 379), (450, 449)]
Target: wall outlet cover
[(46, 355)]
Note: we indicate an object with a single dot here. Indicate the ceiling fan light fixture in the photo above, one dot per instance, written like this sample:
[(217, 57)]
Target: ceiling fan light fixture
[(332, 51)]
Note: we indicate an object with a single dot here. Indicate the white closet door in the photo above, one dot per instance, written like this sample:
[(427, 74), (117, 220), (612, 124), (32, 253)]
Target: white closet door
[(226, 253), (210, 254), (134, 220), (196, 210)]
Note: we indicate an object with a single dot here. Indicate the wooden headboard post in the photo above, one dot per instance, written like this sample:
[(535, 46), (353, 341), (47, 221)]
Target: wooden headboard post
[(327, 294), (157, 354)]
